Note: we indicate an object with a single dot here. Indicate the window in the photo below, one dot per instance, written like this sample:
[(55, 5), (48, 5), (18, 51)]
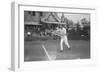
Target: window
[(41, 13), (29, 12), (33, 13)]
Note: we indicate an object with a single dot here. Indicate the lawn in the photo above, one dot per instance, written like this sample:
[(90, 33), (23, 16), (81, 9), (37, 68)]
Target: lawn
[(34, 50)]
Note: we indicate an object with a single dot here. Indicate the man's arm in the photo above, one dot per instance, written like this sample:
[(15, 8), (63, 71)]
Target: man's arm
[(56, 32)]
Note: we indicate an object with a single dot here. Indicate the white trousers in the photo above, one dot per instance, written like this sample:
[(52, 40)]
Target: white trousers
[(64, 40)]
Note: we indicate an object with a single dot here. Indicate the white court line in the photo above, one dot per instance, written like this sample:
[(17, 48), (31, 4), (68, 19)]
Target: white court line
[(46, 52)]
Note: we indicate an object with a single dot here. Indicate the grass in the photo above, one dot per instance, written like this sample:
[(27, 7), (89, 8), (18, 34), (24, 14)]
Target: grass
[(33, 50)]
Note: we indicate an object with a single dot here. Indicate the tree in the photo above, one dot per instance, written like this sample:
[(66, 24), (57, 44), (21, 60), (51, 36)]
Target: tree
[(69, 24), (85, 22)]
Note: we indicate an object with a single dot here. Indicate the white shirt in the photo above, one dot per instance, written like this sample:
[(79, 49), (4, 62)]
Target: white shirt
[(61, 32)]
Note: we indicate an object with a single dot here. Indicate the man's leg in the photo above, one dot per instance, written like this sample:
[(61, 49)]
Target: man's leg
[(61, 44), (66, 42)]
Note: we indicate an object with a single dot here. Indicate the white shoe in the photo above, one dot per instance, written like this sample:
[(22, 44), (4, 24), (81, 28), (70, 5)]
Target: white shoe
[(61, 50), (69, 48)]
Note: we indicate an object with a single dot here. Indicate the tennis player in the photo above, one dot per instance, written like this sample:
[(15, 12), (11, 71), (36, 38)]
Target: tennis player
[(64, 40)]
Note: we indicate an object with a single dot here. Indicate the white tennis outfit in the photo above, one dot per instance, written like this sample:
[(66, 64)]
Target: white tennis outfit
[(63, 38)]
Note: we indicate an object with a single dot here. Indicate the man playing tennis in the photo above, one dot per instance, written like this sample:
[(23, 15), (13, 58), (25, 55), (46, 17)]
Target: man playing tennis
[(62, 33)]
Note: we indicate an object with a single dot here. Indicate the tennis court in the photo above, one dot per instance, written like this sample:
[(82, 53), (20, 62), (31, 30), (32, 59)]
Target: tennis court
[(45, 50)]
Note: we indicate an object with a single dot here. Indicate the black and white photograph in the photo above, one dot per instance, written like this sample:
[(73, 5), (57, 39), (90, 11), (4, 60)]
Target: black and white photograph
[(56, 36), (47, 36)]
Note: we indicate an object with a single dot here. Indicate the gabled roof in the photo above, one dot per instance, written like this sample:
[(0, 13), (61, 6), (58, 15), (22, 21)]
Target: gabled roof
[(52, 18)]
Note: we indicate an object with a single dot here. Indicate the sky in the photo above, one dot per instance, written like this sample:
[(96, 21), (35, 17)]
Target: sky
[(75, 16)]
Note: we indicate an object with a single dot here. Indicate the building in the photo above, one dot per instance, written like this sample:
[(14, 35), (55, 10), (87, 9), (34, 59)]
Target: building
[(42, 22)]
